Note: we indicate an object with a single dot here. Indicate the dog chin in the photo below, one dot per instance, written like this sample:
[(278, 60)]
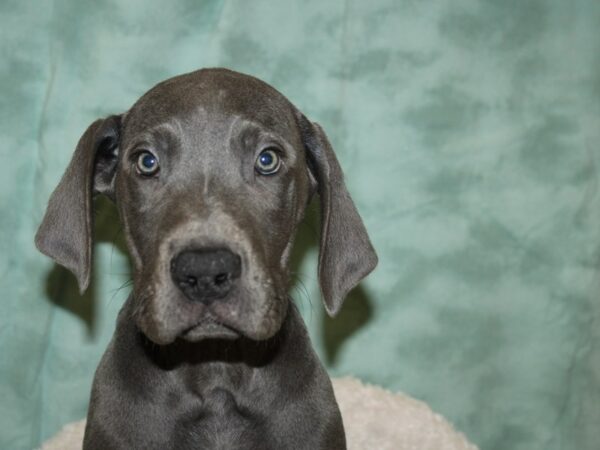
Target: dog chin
[(216, 330), (209, 330), (194, 325), (206, 329)]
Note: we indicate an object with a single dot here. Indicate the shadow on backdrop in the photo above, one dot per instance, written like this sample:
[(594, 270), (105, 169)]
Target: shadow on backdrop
[(61, 286), (356, 311), (355, 314)]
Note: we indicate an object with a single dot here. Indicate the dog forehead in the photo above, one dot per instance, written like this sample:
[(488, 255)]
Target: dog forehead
[(213, 93)]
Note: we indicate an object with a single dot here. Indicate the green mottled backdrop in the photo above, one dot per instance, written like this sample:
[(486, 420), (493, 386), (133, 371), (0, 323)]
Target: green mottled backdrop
[(470, 135)]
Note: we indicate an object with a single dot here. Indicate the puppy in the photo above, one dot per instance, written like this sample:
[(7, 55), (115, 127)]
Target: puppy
[(211, 173)]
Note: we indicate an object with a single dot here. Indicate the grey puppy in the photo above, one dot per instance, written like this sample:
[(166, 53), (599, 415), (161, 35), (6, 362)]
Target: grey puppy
[(211, 173)]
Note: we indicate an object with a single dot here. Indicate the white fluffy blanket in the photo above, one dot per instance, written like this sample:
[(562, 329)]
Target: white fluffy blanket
[(374, 419)]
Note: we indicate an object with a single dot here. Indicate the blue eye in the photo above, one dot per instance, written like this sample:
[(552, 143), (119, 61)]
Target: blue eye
[(147, 163), (268, 162)]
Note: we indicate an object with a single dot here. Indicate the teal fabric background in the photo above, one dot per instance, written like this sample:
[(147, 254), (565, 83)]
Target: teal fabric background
[(469, 132)]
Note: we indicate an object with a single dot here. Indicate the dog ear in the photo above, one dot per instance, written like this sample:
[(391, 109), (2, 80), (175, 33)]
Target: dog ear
[(346, 254), (65, 233)]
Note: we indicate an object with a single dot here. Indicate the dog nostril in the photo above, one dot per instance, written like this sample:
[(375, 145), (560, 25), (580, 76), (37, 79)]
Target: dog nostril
[(221, 278)]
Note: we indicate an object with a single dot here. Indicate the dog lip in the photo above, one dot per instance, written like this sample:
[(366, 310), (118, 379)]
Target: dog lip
[(209, 327)]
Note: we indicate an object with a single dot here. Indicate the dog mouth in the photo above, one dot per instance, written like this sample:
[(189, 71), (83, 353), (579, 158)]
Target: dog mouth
[(209, 327)]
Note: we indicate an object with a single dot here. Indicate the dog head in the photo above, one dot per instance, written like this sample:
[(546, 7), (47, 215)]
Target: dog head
[(211, 173)]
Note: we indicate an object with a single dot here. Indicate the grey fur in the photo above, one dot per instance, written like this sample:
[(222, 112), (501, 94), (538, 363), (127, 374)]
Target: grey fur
[(236, 372)]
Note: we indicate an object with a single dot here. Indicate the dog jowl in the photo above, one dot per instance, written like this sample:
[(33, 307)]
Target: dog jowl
[(211, 173)]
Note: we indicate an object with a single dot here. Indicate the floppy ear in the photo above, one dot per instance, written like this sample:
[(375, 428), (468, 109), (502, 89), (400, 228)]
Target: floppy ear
[(346, 254), (65, 234)]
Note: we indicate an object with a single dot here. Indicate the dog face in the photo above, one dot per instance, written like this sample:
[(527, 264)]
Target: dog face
[(207, 194), (211, 173)]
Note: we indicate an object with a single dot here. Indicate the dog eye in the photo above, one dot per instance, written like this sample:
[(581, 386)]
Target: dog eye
[(268, 162), (147, 163)]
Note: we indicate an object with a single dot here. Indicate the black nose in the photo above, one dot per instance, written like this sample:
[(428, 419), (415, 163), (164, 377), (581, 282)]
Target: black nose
[(205, 275)]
